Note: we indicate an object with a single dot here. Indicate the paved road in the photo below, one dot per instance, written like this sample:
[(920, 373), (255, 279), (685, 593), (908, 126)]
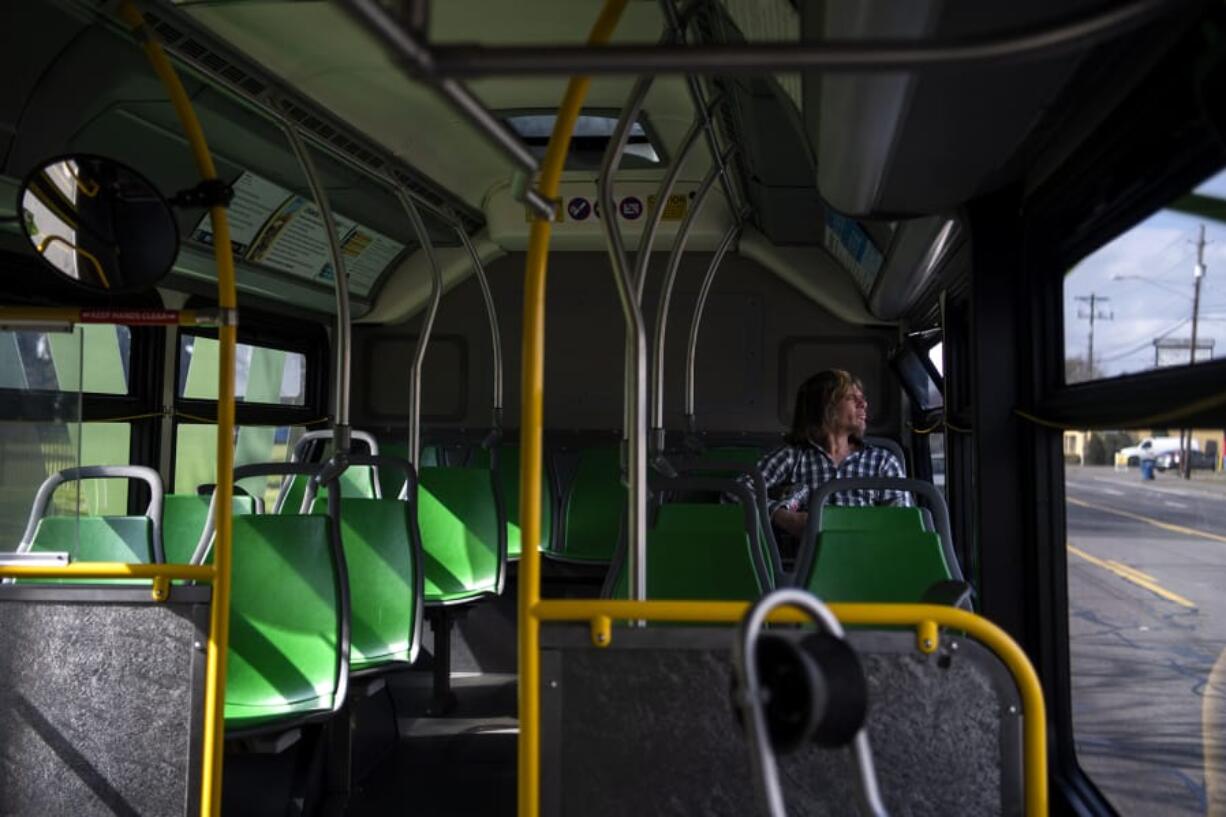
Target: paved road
[(1147, 602)]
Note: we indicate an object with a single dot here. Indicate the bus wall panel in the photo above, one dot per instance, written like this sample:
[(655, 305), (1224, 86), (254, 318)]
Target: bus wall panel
[(657, 734), (101, 704), (758, 340)]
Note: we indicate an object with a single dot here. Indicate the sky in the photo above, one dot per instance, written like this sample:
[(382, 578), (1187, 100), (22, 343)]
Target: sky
[(1147, 276)]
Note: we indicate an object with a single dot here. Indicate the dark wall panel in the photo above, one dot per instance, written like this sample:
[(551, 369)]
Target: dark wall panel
[(745, 375)]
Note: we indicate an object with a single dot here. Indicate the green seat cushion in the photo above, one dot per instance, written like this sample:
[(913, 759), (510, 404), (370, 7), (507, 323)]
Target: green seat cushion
[(459, 533), (883, 567), (883, 518), (284, 620), (697, 551), (379, 557), (183, 519), (594, 507), (508, 476)]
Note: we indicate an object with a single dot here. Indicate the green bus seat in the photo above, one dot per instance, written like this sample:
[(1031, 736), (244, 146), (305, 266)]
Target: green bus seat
[(508, 477), (881, 566), (183, 520), (593, 506), (96, 538), (384, 588), (883, 518), (355, 481), (85, 538), (463, 548), (286, 622), (696, 551), (880, 554)]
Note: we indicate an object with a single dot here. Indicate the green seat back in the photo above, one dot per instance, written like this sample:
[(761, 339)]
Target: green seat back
[(884, 567), (882, 519), (594, 507), (458, 521), (508, 476), (285, 620), (378, 544), (127, 539), (697, 551), (740, 454), (391, 480), (183, 518), (356, 481)]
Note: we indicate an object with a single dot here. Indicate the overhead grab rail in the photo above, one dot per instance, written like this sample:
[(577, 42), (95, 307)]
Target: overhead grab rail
[(666, 294), (408, 47), (856, 56), (679, 21)]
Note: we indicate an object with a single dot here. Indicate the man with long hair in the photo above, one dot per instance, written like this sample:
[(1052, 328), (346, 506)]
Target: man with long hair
[(827, 442)]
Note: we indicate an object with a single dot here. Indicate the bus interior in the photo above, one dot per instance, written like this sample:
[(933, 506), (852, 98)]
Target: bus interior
[(482, 536)]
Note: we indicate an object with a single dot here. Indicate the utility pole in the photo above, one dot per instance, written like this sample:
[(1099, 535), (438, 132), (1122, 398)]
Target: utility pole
[(1093, 313), (1198, 274)]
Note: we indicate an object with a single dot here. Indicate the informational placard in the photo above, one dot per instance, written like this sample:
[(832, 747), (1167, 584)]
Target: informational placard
[(847, 241), (276, 228)]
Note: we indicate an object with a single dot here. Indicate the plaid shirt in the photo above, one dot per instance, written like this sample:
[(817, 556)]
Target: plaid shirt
[(797, 470)]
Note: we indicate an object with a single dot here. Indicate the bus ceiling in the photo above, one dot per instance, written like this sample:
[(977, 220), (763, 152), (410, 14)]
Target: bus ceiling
[(898, 152)]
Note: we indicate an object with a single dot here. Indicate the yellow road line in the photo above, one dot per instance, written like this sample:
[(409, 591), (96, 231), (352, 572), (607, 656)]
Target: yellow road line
[(1130, 569), (1135, 576), (1217, 537)]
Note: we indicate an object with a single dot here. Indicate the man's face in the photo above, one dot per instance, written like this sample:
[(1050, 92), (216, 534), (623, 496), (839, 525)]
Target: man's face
[(851, 417)]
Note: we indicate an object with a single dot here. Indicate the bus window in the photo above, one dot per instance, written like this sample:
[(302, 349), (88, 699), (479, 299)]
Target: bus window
[(1143, 300), (49, 377), (262, 374), (196, 456), (1147, 625)]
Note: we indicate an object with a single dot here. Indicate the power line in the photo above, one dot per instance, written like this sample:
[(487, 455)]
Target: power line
[(1145, 344)]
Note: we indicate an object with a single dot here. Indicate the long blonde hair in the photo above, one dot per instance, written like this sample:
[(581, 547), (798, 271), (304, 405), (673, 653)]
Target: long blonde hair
[(817, 399)]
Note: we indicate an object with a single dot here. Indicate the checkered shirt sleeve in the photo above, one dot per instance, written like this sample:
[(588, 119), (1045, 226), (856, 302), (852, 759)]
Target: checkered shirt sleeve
[(803, 468)]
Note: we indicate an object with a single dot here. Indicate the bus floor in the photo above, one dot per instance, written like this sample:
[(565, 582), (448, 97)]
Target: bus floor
[(460, 764)]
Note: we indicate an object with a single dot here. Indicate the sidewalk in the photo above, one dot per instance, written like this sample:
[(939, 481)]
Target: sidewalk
[(1203, 481)]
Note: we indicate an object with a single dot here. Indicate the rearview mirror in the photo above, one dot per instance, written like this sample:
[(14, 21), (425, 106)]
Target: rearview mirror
[(98, 223)]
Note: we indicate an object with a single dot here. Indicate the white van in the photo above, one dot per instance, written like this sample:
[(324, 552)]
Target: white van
[(1165, 449)]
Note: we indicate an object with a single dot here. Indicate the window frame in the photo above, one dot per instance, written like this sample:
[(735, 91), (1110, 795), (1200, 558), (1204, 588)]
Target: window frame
[(1112, 183), (305, 337)]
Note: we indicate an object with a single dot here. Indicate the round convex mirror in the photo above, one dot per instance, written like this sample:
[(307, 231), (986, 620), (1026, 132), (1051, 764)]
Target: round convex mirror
[(99, 223)]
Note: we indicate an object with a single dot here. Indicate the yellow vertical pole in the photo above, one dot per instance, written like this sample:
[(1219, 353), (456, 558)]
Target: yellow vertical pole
[(219, 618), (531, 424)]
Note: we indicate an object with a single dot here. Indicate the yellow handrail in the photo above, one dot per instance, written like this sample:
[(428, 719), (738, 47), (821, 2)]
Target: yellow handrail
[(921, 616), (531, 421), (227, 300), (109, 570)]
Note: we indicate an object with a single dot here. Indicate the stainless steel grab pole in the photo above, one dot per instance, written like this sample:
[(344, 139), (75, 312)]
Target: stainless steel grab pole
[(491, 312), (636, 348), (666, 294), (691, 350), (423, 333), (344, 325), (643, 257)]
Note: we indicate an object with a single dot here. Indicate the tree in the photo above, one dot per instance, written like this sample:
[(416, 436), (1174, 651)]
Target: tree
[(1102, 445), (1076, 370)]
